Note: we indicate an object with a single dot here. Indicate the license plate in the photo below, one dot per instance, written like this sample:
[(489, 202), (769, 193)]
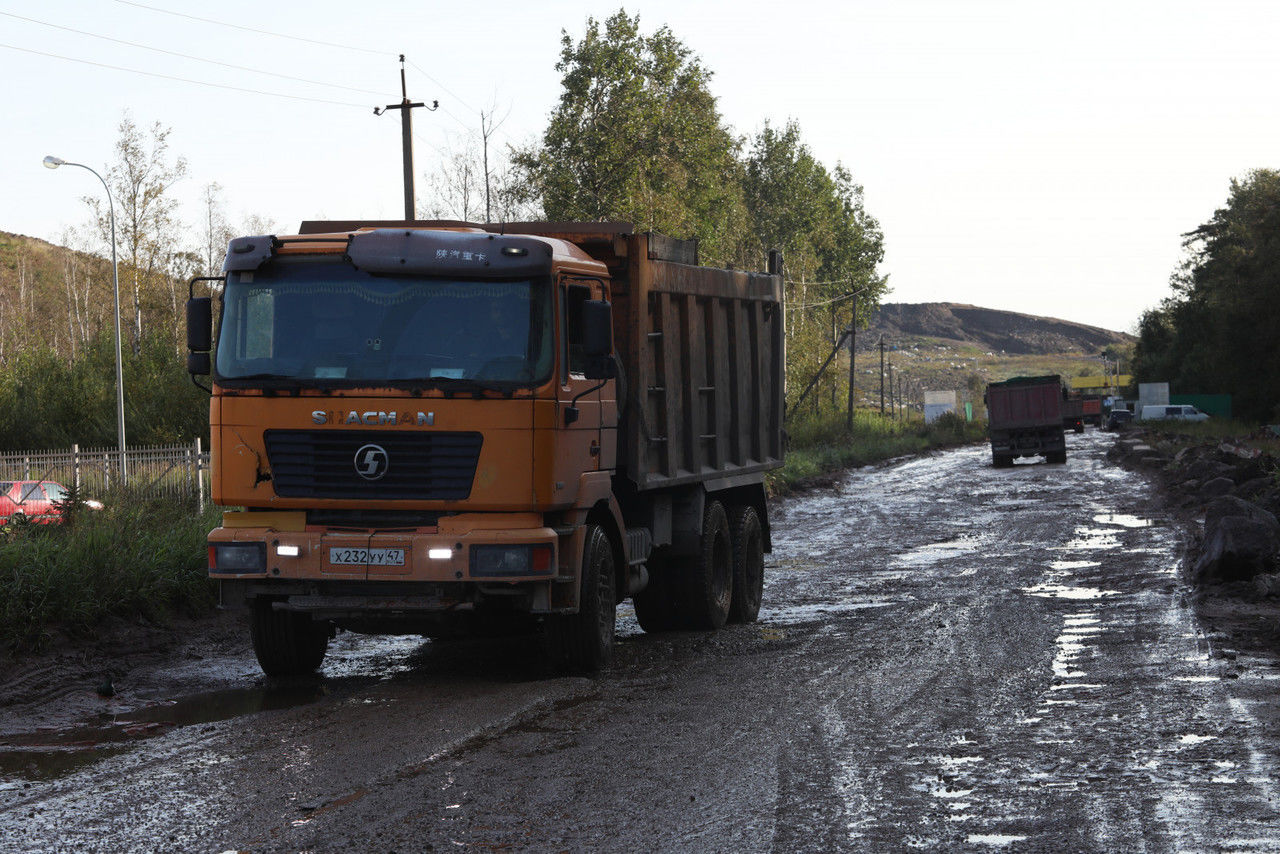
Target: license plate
[(366, 557)]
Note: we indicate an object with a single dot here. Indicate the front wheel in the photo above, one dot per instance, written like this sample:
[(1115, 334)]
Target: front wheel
[(286, 643), (582, 642)]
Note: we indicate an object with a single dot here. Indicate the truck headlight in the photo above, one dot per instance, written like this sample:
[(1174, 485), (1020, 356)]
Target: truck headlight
[(238, 557), (497, 561)]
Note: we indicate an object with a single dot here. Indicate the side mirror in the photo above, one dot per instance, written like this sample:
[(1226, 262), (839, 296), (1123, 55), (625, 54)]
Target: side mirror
[(200, 326)]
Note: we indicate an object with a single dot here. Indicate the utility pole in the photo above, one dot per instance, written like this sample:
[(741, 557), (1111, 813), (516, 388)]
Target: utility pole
[(853, 349), (406, 135), (882, 375), (891, 411)]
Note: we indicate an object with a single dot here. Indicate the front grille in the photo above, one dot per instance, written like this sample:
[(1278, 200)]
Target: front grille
[(419, 465)]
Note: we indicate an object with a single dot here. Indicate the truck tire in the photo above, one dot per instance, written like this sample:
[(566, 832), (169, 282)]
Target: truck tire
[(656, 603), (1001, 461), (286, 643), (748, 564), (582, 642), (707, 580), (1056, 457)]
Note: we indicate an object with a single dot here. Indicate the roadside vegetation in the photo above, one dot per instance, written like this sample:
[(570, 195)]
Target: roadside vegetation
[(137, 558)]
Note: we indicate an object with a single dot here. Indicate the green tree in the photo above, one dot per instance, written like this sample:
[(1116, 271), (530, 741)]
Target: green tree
[(637, 136), (147, 226), (831, 246), (1217, 332)]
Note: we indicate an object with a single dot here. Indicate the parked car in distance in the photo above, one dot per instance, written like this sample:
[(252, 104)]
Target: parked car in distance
[(1118, 418), (1176, 412), (36, 499)]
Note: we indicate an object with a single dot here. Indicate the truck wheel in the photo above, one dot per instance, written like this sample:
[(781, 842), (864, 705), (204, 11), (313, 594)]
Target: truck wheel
[(1001, 461), (1056, 457), (656, 603), (748, 564), (708, 578), (286, 643), (582, 642)]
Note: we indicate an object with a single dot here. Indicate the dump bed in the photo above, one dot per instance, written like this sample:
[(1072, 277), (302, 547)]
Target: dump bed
[(702, 353), (1025, 402)]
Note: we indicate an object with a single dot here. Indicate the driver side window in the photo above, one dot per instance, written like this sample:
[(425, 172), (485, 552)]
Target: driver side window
[(574, 361)]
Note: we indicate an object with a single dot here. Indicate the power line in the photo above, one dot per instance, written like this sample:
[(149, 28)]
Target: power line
[(183, 79), (250, 29), (189, 56)]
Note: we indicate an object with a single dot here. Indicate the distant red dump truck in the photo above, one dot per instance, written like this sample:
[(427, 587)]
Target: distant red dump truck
[(1093, 410), (1024, 418)]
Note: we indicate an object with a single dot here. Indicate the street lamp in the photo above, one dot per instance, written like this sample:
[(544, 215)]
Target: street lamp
[(52, 162)]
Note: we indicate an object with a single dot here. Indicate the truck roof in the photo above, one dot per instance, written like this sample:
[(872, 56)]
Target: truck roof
[(562, 249), (602, 241)]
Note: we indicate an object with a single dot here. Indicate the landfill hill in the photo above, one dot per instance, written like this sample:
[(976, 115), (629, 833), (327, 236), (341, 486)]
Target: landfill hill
[(989, 328), (950, 346)]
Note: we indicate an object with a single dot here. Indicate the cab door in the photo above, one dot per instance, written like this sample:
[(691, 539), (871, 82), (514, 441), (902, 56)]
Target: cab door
[(581, 447)]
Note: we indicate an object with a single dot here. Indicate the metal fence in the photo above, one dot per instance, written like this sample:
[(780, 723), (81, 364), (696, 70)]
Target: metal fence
[(163, 471)]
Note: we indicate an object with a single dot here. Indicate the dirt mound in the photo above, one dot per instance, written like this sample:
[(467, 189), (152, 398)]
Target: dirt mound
[(992, 329)]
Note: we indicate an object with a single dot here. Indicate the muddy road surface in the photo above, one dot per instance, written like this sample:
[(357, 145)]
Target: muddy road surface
[(950, 657)]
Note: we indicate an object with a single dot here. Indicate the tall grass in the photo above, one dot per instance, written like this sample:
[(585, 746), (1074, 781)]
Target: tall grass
[(821, 444), (137, 557)]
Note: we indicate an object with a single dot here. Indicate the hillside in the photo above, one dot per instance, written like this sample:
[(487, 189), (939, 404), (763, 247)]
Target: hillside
[(948, 346), (991, 329)]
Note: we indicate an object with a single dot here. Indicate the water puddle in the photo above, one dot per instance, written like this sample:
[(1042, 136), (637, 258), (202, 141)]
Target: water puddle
[(1090, 539), (998, 840), (933, 553), (1073, 564), (1063, 591), (1123, 520), (50, 754)]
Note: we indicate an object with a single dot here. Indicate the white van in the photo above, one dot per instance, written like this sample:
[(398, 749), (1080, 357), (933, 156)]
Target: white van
[(1175, 412)]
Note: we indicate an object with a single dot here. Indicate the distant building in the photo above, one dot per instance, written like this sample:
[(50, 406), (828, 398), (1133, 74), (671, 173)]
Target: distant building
[(938, 403)]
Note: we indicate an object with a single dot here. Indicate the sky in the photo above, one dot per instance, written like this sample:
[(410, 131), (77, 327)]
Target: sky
[(1037, 157)]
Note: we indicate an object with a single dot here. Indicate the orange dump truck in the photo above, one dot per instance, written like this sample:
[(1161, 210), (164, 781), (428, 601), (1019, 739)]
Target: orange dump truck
[(448, 428)]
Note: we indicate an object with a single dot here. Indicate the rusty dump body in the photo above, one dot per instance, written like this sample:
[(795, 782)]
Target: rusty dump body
[(424, 438), (1025, 417)]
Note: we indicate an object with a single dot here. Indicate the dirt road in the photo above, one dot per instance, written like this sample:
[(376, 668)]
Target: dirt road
[(950, 657)]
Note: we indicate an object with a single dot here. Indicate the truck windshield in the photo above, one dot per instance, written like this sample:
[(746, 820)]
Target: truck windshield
[(322, 322)]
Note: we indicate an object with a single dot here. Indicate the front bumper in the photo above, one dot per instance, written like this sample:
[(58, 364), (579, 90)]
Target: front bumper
[(292, 550)]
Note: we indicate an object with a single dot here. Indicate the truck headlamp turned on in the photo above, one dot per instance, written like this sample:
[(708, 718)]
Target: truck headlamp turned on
[(238, 557), (499, 561)]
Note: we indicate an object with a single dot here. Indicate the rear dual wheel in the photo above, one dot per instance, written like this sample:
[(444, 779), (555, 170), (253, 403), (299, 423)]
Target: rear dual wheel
[(748, 563), (723, 583), (708, 577)]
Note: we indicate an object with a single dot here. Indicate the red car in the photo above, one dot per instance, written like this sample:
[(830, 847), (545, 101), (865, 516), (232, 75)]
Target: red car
[(35, 499)]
